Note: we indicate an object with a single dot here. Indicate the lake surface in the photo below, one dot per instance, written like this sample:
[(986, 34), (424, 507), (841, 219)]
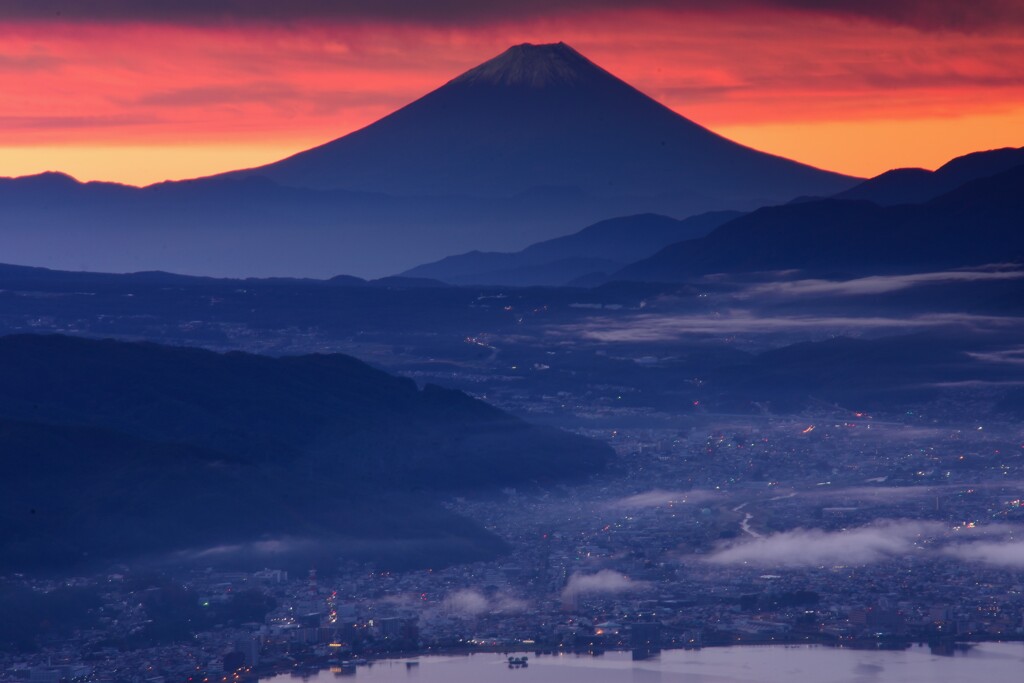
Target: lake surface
[(769, 664)]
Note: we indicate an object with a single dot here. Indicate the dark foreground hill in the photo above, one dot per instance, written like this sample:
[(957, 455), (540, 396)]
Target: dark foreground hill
[(117, 450)]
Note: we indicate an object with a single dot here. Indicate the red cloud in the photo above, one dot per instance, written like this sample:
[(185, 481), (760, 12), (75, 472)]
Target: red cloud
[(163, 80)]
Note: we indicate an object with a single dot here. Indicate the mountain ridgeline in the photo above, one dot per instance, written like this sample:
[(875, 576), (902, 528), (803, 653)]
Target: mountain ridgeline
[(917, 185), (975, 224), (596, 250), (120, 449)]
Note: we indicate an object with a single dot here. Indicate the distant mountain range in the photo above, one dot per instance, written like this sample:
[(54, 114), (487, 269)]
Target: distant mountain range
[(917, 185), (878, 226), (599, 249), (119, 450), (604, 251), (977, 223), (524, 148)]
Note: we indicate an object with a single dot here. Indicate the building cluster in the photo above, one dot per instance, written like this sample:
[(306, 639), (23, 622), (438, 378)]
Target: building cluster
[(638, 561)]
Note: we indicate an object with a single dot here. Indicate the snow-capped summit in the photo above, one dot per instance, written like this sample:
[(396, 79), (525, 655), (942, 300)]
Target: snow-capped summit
[(535, 66)]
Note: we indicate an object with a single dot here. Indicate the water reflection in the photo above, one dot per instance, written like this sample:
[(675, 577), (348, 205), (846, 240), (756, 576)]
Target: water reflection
[(765, 664)]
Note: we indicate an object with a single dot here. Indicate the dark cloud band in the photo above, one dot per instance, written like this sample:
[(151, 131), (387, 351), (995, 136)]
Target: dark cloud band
[(924, 14)]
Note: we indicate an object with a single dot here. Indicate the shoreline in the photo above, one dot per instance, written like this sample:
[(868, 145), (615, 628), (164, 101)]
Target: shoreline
[(944, 647)]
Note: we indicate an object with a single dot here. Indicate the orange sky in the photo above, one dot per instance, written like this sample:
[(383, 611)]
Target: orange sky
[(148, 99)]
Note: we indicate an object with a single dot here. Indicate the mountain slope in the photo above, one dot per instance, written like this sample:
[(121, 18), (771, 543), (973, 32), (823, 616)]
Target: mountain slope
[(545, 116), (976, 224), (602, 247), (917, 185), (172, 448)]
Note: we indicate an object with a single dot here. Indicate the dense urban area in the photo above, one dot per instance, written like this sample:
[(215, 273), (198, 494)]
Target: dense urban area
[(836, 529)]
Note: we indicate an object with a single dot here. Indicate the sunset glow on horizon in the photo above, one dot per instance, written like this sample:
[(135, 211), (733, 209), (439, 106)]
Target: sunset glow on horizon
[(148, 98)]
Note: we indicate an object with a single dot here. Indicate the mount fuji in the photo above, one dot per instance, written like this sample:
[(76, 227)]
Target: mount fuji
[(532, 145), (544, 116)]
